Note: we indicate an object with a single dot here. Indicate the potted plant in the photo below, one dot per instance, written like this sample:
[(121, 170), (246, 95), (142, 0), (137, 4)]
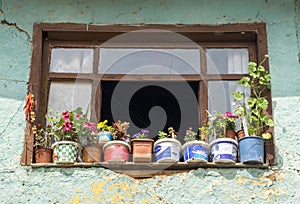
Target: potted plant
[(195, 150), (118, 149), (257, 119), (167, 147), (65, 129), (230, 125), (42, 145), (223, 150), (142, 146)]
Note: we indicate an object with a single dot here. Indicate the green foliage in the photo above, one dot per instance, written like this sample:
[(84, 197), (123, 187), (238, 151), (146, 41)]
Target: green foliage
[(258, 118), (171, 134), (190, 135)]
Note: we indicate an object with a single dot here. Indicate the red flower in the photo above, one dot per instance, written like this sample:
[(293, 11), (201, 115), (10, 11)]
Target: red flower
[(229, 115), (66, 115), (67, 126)]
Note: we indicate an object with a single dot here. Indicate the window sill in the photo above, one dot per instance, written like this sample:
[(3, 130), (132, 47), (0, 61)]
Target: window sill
[(147, 170)]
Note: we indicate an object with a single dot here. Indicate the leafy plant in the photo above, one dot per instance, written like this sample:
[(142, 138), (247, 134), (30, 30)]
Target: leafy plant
[(119, 131), (171, 134), (219, 125), (144, 134), (190, 135), (257, 118), (41, 137), (204, 132)]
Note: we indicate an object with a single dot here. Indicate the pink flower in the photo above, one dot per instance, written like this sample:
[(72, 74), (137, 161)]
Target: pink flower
[(229, 115), (78, 116), (68, 126), (66, 115), (90, 126)]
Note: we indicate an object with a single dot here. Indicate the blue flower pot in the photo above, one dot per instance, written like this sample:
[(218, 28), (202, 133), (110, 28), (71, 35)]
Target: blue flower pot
[(251, 150), (195, 151), (224, 150)]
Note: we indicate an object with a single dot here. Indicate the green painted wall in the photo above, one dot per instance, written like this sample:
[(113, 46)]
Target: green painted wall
[(280, 184)]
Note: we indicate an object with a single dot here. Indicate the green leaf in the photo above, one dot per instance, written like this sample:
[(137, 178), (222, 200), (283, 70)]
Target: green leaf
[(240, 110), (266, 136), (237, 95), (261, 68), (251, 102), (245, 81), (255, 112), (262, 103), (270, 122)]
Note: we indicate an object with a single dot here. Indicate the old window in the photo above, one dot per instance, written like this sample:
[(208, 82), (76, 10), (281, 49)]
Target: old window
[(89, 66)]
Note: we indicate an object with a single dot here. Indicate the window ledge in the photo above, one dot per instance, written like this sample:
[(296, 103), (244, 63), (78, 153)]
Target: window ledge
[(147, 170)]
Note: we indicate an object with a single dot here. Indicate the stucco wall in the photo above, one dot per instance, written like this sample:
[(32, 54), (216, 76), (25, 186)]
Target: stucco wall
[(19, 184)]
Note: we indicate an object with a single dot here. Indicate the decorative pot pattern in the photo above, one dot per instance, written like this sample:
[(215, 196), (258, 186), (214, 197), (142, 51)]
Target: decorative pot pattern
[(65, 152), (224, 150), (195, 151), (167, 150)]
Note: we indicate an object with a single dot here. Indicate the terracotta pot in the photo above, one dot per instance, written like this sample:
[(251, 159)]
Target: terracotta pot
[(142, 150), (240, 134), (43, 155), (91, 154), (230, 134)]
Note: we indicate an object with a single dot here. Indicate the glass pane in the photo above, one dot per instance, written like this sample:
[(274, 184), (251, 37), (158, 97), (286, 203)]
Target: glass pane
[(149, 61), (72, 60), (227, 61), (220, 97), (69, 96)]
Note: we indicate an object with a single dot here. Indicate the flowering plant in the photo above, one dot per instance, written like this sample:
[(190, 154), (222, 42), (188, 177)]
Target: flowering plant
[(141, 135), (70, 125), (119, 130), (171, 131), (102, 126), (230, 121)]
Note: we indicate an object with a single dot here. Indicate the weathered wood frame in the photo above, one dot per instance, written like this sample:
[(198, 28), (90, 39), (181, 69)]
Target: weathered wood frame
[(45, 36)]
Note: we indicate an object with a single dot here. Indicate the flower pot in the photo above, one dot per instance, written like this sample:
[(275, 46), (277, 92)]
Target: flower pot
[(116, 151), (251, 150), (224, 150), (230, 134), (65, 152), (167, 150), (195, 152), (104, 136), (91, 154), (43, 155), (240, 134), (142, 150)]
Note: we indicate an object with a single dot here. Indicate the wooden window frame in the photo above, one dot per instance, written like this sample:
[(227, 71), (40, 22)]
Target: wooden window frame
[(46, 36)]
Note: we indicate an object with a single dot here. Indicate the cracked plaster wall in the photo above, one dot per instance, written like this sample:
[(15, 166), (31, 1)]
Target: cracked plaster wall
[(95, 185)]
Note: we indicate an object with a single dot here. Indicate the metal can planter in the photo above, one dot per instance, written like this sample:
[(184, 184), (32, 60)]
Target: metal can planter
[(251, 150), (195, 152), (167, 150), (116, 151), (104, 136), (224, 150), (65, 152)]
